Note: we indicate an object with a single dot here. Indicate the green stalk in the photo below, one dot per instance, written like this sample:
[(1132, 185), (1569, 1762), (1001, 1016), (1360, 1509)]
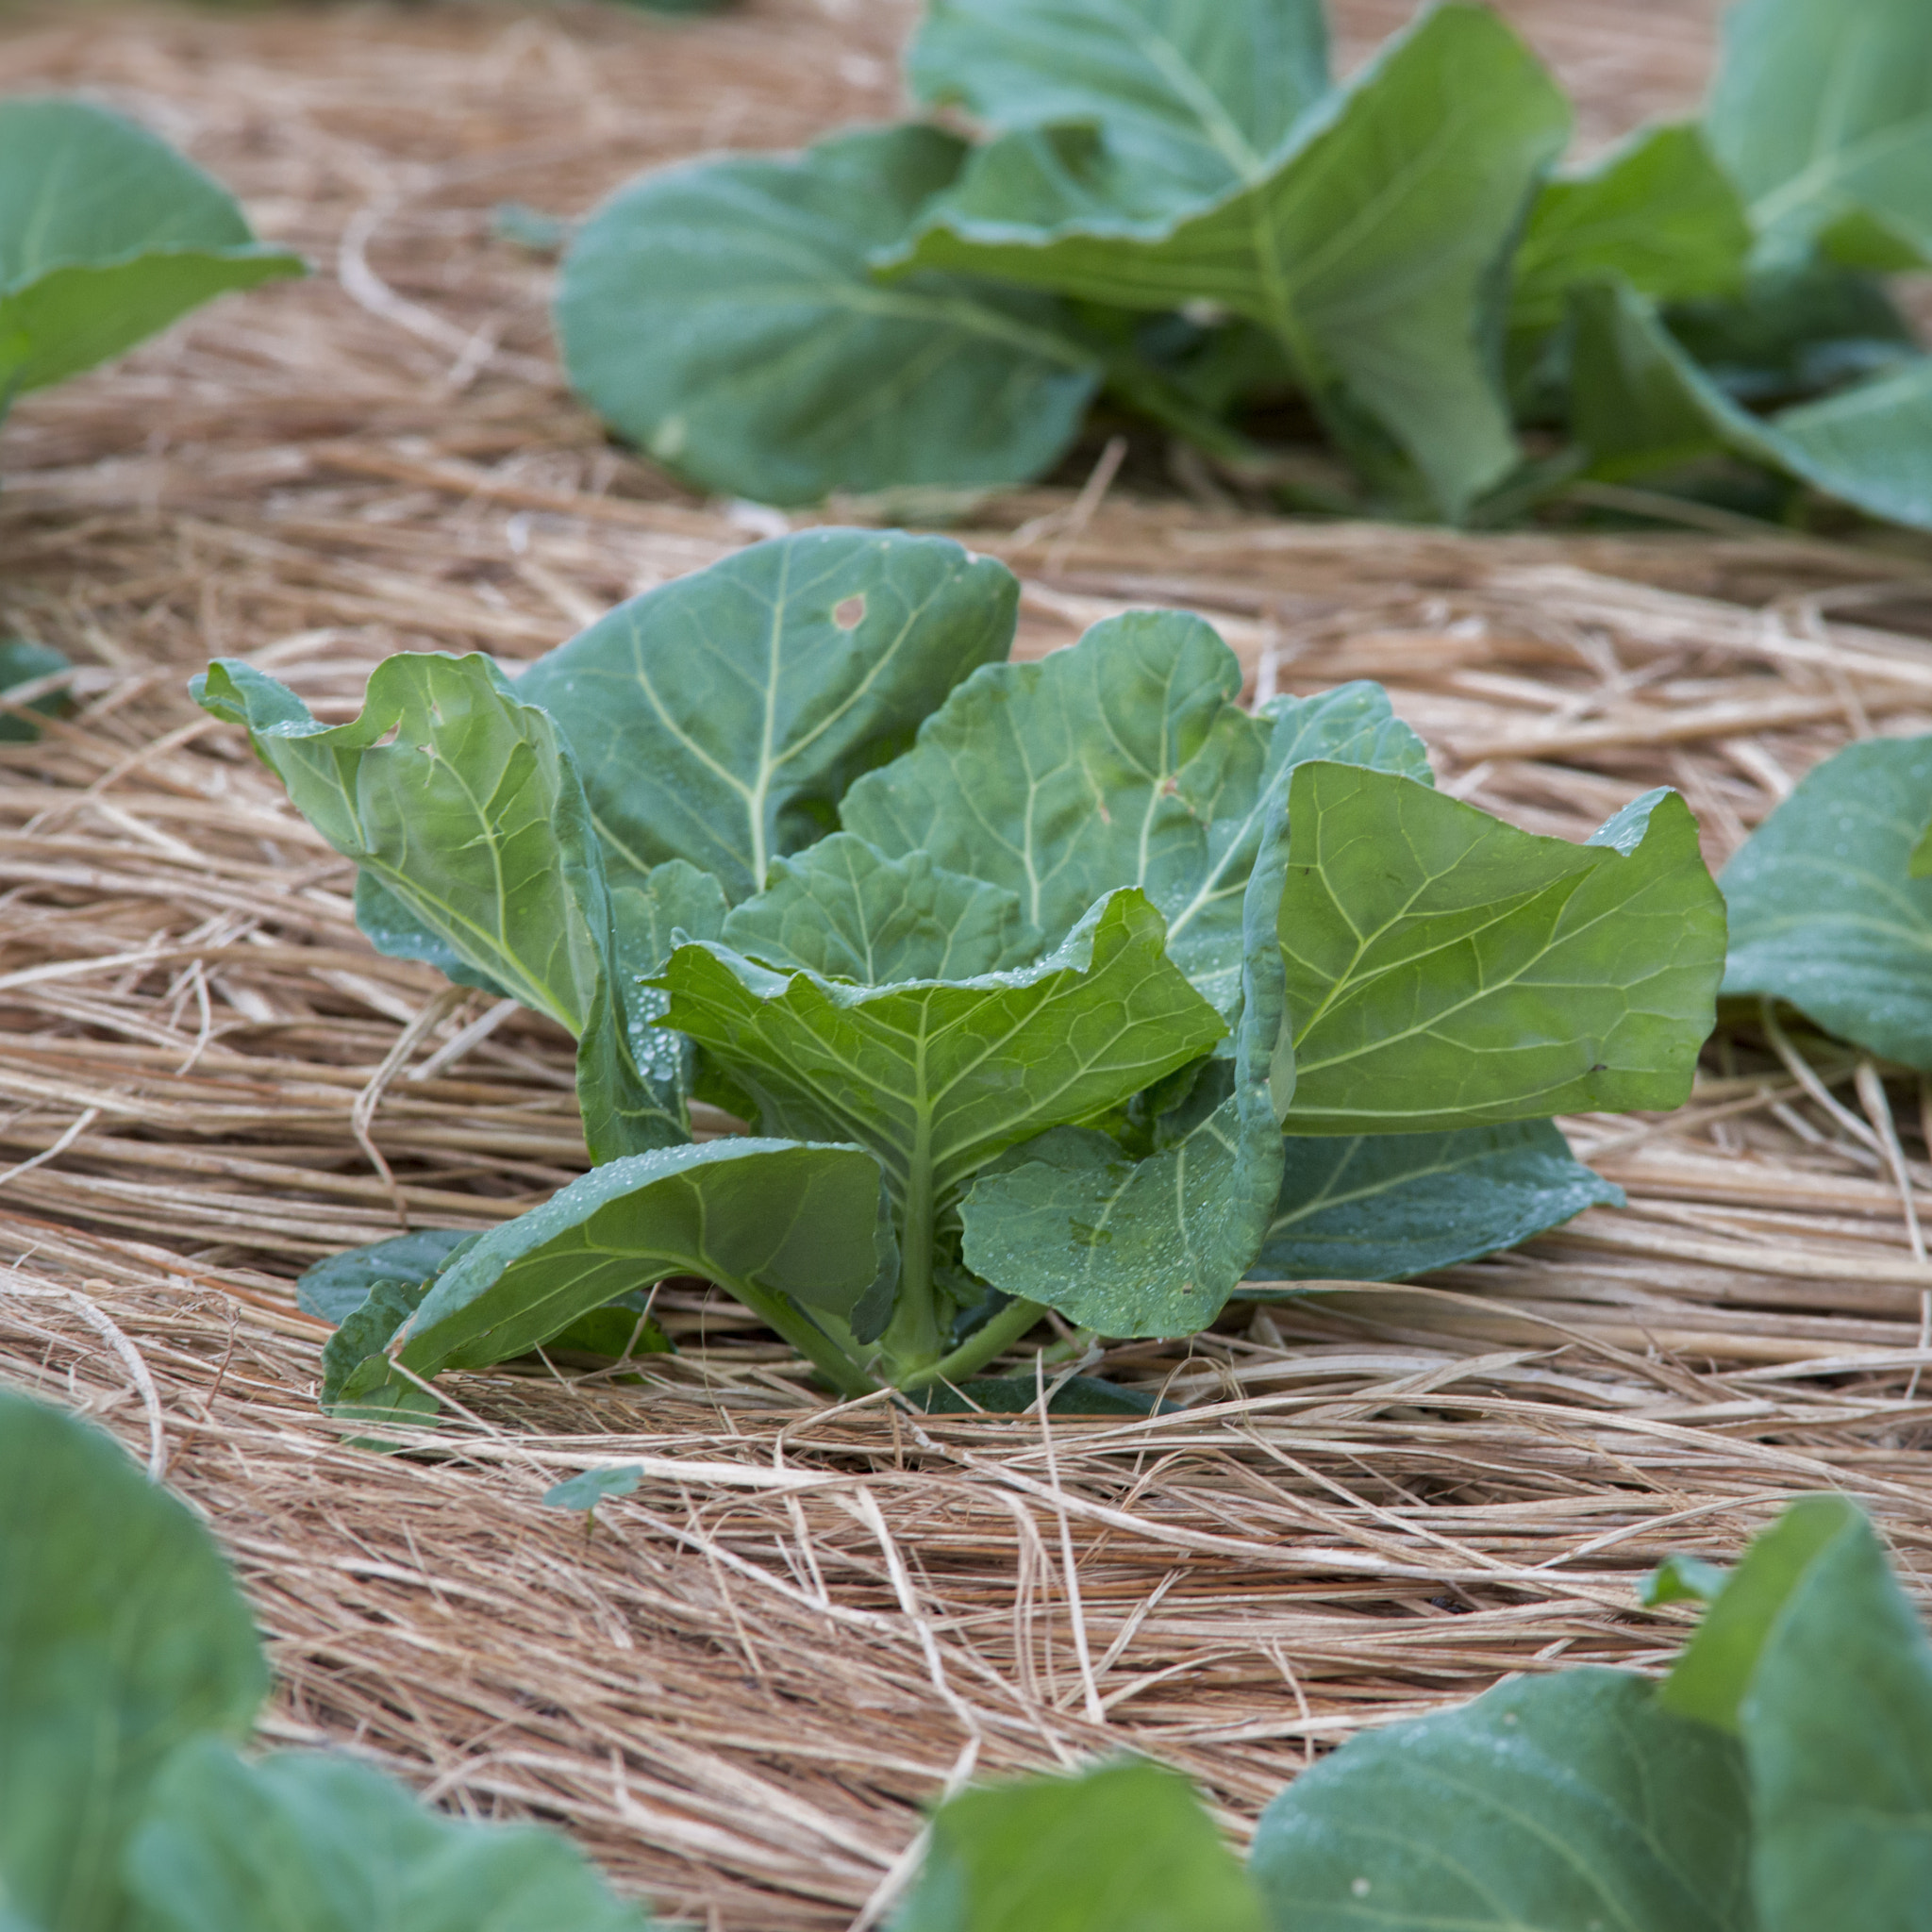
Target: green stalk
[(911, 1340), (808, 1338), (979, 1348)]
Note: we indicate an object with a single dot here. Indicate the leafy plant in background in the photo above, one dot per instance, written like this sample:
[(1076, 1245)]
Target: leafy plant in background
[(106, 236), (1831, 900), (1778, 1780), (1172, 204), (129, 1672), (1067, 985)]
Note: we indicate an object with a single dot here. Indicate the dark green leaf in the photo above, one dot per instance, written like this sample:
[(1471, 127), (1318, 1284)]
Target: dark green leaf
[(1566, 1802), (1155, 1246), (1192, 95), (587, 1491), (1794, 333), (356, 1377), (845, 911), (1123, 761), (763, 1219), (1445, 970), (336, 1287), (1658, 214), (1837, 1726), (1641, 405), (1122, 1848), (1824, 912), (304, 1842), (22, 663), (1384, 1206), (718, 718), (722, 315), (618, 1330), (465, 807), (1823, 110), (122, 1635), (1719, 1667), (106, 236), (937, 1077), (1371, 245), (1016, 1394)]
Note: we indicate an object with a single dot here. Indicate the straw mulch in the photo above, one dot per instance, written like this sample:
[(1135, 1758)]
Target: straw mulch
[(807, 1622)]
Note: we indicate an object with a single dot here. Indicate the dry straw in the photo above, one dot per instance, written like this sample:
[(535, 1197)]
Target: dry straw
[(741, 1684)]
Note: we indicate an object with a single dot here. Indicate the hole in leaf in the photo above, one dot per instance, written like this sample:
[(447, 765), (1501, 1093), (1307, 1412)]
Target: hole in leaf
[(849, 612)]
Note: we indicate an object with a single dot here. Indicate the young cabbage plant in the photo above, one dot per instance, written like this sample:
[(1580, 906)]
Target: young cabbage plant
[(1777, 1780), (1068, 985), (130, 1676), (1173, 202), (106, 236)]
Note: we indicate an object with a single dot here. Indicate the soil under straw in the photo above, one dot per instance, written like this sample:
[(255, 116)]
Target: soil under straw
[(807, 1622)]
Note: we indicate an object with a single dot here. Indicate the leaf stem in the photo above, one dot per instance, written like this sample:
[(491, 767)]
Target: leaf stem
[(979, 1348), (806, 1337)]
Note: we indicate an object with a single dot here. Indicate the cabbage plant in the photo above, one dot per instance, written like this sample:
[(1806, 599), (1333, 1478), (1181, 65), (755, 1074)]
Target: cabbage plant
[(1068, 985)]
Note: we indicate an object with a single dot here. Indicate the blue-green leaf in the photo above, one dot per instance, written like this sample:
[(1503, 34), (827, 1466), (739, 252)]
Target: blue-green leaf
[(1564, 1801), (304, 1842), (122, 1636), (106, 236), (1155, 1246), (1123, 761), (1193, 96), (1384, 1206), (1370, 243), (336, 1287), (1826, 911), (718, 718), (722, 315)]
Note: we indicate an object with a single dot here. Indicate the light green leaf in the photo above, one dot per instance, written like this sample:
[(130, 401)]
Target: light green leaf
[(722, 315), (1823, 110), (393, 930), (718, 718), (1824, 911), (1384, 1206), (106, 236), (1918, 863), (1123, 761), (1837, 1725), (24, 663), (122, 1635), (1122, 1848), (1155, 1246), (937, 1077), (1192, 95), (305, 1842), (1718, 1668), (1445, 970), (336, 1287), (1563, 1802), (1370, 246), (1640, 405), (1657, 213), (464, 807), (843, 910), (767, 1220)]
